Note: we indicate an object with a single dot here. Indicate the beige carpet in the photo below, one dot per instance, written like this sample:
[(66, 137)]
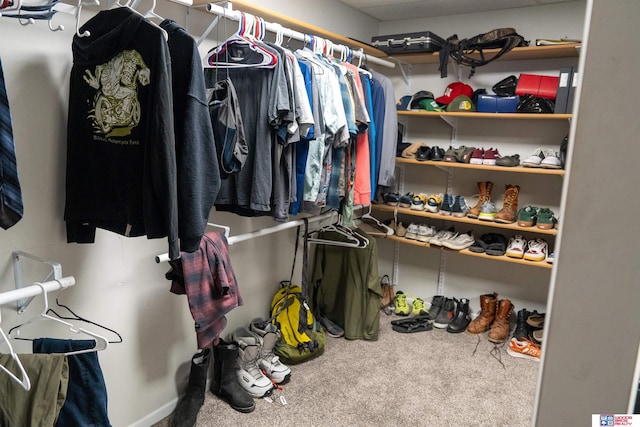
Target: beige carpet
[(423, 379)]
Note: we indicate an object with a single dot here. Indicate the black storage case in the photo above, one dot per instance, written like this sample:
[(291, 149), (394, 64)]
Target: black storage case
[(424, 41)]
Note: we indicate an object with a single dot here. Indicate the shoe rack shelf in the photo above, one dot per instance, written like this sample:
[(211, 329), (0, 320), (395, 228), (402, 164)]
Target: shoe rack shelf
[(443, 164), (500, 116), (503, 258), (512, 226), (516, 54)]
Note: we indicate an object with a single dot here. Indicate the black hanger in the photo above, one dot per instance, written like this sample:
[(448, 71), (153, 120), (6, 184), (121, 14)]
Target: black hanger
[(82, 319)]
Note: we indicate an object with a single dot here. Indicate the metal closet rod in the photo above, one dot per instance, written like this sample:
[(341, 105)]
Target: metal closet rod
[(262, 232), (236, 15), (34, 290)]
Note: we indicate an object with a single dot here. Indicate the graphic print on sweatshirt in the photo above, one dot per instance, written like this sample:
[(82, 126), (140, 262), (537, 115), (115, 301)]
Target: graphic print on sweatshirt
[(116, 108)]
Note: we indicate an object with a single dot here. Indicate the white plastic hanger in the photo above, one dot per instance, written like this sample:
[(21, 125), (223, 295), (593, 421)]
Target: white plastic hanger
[(101, 342), (354, 240), (151, 13), (375, 222), (78, 10), (24, 381), (117, 4)]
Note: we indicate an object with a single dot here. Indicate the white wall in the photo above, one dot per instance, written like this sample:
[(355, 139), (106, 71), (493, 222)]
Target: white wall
[(118, 282)]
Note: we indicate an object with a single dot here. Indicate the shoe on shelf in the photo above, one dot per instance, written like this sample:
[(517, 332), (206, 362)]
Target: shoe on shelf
[(391, 199), (434, 201), (411, 150), (436, 154), (418, 202), (445, 315), (517, 247), (536, 250), (447, 205), (546, 220), (450, 155), (537, 335), (488, 211), (418, 308), (423, 153), (527, 216), (405, 200), (425, 233), (496, 244), (400, 303), (401, 230), (485, 188), (490, 157), (459, 208), (524, 349), (534, 160), (508, 161), (507, 214), (412, 231), (463, 154), (459, 242), (441, 236), (551, 160), (477, 156), (551, 258)]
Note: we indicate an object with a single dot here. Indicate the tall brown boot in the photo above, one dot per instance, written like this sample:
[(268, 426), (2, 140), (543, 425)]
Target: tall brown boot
[(509, 209), (500, 327), (488, 304), (485, 196)]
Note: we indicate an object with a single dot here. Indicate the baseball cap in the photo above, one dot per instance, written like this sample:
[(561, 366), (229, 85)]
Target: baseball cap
[(419, 96), (461, 103), (430, 104), (454, 90)]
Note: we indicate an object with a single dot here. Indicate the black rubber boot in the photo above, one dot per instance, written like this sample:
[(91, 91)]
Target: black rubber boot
[(224, 384), (461, 319), (523, 330), (189, 406)]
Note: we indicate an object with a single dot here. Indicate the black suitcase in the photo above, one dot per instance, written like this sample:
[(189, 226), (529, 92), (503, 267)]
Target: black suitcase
[(424, 41)]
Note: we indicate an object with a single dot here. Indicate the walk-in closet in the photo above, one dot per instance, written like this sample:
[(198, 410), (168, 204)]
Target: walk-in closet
[(113, 267)]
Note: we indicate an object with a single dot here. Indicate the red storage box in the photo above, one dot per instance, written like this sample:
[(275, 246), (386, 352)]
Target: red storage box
[(536, 85)]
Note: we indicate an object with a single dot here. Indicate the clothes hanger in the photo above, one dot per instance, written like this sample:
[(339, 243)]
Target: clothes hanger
[(375, 222), (241, 50), (151, 13), (101, 342), (82, 319), (354, 240), (127, 5), (24, 381), (85, 33)]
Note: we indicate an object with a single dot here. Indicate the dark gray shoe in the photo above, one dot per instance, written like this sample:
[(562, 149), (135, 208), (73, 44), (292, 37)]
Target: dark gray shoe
[(445, 316), (508, 161), (461, 319)]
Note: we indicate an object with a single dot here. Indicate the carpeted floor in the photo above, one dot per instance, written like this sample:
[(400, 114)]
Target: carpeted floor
[(428, 378)]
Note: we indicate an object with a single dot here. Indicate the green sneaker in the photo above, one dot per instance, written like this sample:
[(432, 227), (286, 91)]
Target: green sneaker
[(418, 308), (402, 308), (546, 220), (527, 216)]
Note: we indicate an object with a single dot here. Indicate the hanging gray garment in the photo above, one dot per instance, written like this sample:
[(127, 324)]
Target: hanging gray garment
[(390, 132)]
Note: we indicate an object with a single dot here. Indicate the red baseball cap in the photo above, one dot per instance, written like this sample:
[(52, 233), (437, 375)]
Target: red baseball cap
[(453, 91)]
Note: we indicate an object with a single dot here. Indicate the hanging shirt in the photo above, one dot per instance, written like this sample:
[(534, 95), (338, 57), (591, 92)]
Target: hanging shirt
[(389, 132), (121, 160)]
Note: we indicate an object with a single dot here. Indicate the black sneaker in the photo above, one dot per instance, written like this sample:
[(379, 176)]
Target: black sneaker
[(461, 319), (445, 315), (436, 305), (423, 153), (522, 331), (436, 154), (332, 329)]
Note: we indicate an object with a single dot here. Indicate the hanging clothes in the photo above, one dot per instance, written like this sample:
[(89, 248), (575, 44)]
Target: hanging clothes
[(388, 133), (121, 160), (198, 173)]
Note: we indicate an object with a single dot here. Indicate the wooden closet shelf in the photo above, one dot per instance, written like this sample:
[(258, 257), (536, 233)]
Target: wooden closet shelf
[(518, 53), (512, 226), (517, 169), (503, 258), (502, 116)]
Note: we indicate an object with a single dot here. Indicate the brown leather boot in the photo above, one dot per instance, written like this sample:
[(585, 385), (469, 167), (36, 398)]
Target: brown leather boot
[(488, 304), (485, 196), (500, 327), (509, 209)]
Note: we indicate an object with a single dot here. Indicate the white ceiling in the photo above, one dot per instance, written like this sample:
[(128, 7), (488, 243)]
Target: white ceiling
[(391, 10)]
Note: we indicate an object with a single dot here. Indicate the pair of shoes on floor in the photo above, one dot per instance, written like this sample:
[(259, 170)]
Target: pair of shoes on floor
[(532, 250), (450, 313), (402, 307), (494, 244), (542, 218), (548, 159), (412, 324)]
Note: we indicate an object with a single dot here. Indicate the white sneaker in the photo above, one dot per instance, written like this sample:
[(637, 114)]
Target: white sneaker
[(459, 242), (249, 375), (517, 246), (425, 233), (412, 232), (534, 160), (268, 333), (551, 160), (537, 250), (440, 236)]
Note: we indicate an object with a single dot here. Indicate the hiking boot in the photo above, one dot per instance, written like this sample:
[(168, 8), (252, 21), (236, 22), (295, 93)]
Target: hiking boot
[(524, 349), (509, 209), (445, 315), (527, 216), (400, 302), (269, 334), (433, 203), (436, 305), (485, 196), (447, 205), (522, 330), (418, 308), (459, 208), (488, 305), (249, 374), (461, 318), (500, 327)]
